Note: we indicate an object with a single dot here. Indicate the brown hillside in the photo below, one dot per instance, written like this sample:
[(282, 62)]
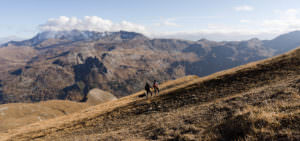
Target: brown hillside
[(70, 64), (19, 114), (14, 57), (257, 101), (97, 96)]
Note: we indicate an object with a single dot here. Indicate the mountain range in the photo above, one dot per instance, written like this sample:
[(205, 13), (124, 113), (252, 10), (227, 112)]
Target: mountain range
[(256, 101), (68, 64), (10, 38)]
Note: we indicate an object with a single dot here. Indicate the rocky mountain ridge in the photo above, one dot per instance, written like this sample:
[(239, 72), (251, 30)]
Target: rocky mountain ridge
[(67, 65), (256, 101), (74, 36)]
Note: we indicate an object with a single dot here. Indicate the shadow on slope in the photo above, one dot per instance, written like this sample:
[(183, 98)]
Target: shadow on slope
[(199, 108)]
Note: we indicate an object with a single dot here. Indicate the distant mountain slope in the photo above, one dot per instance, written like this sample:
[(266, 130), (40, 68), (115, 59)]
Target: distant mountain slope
[(257, 101), (68, 64), (9, 38), (285, 42), (74, 36)]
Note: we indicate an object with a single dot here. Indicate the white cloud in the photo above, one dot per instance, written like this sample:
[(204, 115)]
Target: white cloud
[(92, 23), (243, 8), (288, 20)]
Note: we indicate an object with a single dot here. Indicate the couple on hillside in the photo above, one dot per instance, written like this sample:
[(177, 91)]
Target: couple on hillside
[(155, 87)]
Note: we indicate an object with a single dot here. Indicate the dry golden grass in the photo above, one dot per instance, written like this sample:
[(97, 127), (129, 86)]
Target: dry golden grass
[(19, 114), (94, 111), (258, 101), (97, 96)]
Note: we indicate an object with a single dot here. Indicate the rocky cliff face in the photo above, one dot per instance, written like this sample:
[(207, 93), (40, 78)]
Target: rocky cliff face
[(66, 65)]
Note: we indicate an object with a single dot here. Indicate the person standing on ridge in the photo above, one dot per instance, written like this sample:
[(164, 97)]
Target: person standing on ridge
[(155, 87), (147, 88)]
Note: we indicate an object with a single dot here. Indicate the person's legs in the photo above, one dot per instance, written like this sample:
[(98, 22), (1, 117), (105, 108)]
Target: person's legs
[(156, 90), (149, 91)]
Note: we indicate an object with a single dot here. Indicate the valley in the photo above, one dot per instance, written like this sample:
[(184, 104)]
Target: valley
[(256, 101), (66, 65)]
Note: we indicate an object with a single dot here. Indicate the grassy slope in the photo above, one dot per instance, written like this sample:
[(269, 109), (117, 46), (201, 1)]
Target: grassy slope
[(97, 96), (255, 101), (88, 113), (19, 114)]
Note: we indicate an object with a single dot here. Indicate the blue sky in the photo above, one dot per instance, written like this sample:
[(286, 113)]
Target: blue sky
[(189, 19)]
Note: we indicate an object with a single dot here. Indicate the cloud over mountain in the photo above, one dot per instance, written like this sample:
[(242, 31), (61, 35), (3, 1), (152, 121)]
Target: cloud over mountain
[(92, 23), (173, 27)]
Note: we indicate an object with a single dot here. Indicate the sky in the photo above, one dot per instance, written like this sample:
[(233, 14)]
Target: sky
[(186, 19)]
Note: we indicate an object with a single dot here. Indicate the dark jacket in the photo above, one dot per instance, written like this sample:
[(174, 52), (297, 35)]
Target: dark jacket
[(147, 87)]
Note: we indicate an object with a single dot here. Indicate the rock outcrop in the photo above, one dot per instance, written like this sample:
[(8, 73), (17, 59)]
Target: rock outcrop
[(97, 96), (67, 65)]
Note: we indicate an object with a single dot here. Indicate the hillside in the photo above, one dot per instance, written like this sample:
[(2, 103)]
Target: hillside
[(257, 101), (97, 96), (19, 114), (14, 115), (68, 64), (288, 41)]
